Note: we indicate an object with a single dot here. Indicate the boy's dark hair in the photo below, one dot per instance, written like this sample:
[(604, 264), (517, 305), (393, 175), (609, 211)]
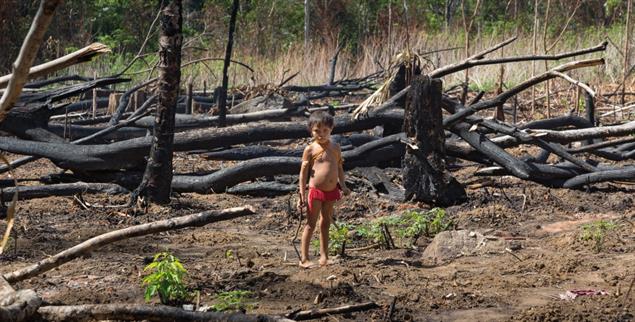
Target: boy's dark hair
[(320, 117)]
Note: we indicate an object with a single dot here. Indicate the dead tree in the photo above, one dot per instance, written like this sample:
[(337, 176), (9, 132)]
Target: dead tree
[(222, 97), (425, 175), (157, 178)]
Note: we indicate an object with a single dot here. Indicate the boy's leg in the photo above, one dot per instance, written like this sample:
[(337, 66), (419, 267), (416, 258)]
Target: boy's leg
[(325, 224), (307, 233)]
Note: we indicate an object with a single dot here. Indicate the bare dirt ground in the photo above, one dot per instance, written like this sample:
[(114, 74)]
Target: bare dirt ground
[(542, 228)]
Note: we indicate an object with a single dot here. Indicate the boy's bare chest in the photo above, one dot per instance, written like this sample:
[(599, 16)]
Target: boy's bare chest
[(324, 155)]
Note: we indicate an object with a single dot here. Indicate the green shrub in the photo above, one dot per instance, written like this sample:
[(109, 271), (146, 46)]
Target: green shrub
[(166, 280), (408, 227), (596, 231), (237, 300)]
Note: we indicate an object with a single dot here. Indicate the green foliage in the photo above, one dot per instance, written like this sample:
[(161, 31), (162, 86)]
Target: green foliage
[(166, 279), (596, 231), (416, 224), (229, 254), (233, 301), (409, 226), (338, 237), (611, 5)]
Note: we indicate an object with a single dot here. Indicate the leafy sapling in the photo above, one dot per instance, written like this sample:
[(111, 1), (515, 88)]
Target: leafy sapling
[(166, 280)]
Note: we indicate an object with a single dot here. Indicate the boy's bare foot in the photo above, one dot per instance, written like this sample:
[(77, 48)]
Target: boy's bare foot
[(326, 262), (306, 264)]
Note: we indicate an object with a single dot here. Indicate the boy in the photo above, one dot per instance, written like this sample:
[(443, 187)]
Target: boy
[(322, 163)]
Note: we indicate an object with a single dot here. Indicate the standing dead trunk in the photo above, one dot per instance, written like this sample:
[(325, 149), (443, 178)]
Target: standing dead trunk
[(222, 98), (157, 178), (425, 175)]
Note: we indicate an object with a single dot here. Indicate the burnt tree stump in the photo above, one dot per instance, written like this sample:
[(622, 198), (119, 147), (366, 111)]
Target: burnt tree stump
[(425, 175)]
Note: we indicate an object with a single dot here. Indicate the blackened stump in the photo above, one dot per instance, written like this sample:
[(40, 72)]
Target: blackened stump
[(157, 179), (425, 175)]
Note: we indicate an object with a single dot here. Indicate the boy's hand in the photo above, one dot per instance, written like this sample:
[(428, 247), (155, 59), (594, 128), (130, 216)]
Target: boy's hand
[(300, 204), (346, 191)]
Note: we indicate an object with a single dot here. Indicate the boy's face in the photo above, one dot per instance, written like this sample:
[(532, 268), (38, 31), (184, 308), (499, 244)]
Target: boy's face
[(321, 133)]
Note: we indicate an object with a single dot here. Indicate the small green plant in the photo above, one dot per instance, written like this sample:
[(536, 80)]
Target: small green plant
[(338, 237), (375, 229), (409, 226), (596, 231), (166, 279), (416, 224), (229, 254), (233, 301)]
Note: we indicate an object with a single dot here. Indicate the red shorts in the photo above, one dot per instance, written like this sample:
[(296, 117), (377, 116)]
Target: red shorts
[(317, 194)]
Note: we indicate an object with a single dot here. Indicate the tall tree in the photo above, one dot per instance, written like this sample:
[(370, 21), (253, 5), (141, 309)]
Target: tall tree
[(157, 179)]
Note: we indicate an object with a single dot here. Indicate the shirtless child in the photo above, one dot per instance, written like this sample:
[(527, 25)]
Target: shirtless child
[(322, 163)]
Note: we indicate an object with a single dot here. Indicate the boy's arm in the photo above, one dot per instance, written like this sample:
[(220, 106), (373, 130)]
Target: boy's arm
[(304, 171), (340, 172)]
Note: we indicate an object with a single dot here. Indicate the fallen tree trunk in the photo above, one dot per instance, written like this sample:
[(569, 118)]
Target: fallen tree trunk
[(54, 80), (263, 189), (251, 152), (219, 181), (184, 121), (627, 173), (388, 149), (194, 220), (62, 189), (135, 116), (59, 94), (130, 154), (136, 312), (567, 136), (495, 153), (84, 105), (78, 131)]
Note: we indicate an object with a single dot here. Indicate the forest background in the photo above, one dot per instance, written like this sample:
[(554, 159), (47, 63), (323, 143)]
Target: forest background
[(271, 36)]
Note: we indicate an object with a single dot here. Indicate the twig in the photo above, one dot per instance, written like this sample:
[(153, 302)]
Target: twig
[(371, 246), (512, 253), (314, 314), (628, 293), (295, 237), (391, 309)]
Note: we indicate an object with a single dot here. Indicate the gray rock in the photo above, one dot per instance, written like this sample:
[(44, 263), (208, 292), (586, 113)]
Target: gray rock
[(449, 245)]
